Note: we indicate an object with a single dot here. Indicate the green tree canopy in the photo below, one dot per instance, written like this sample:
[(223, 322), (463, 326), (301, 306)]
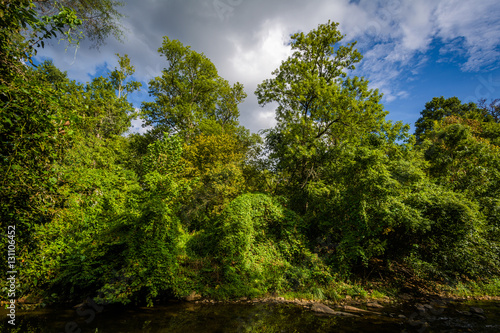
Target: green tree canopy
[(319, 106), (108, 111), (32, 131), (52, 74), (103, 108), (189, 92), (439, 108)]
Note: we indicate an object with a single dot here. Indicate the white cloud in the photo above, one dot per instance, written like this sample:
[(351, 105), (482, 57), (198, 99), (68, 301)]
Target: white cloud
[(136, 126), (476, 23), (256, 61), (247, 40), (417, 25)]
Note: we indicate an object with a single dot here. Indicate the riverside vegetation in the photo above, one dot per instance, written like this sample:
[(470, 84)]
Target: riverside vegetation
[(334, 200)]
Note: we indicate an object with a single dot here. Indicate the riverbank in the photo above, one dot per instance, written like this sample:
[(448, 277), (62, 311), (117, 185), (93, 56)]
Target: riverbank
[(362, 302), (274, 314), (343, 294)]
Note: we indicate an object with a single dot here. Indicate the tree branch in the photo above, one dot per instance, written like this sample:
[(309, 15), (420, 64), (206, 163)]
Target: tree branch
[(328, 126)]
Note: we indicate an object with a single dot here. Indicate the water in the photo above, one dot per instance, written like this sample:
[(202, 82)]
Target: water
[(190, 317)]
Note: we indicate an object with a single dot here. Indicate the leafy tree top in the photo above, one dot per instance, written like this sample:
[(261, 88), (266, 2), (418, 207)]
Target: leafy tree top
[(439, 108), (189, 92), (319, 106)]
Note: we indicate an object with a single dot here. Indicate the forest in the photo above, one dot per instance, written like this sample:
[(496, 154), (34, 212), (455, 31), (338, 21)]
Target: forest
[(333, 200)]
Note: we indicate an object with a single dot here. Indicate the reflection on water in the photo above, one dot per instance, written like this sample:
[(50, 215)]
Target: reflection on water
[(189, 317)]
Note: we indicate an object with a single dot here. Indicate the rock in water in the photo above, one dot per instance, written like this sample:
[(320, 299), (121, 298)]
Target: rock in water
[(476, 310), (323, 309), (374, 305), (358, 310)]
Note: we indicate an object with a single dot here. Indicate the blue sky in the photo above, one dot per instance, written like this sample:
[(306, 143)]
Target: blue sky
[(413, 50)]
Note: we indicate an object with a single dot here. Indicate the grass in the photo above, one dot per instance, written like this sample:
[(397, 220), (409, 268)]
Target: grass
[(378, 294), (473, 288), (340, 290)]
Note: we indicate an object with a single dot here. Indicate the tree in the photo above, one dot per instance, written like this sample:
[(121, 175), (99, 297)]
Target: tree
[(23, 30), (491, 129), (106, 107), (99, 17), (120, 77), (319, 106), (190, 92), (216, 161), (492, 109), (462, 160), (103, 108), (439, 108), (32, 125), (49, 72)]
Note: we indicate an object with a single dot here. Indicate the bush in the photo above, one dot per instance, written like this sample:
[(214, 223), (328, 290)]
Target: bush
[(447, 239), (259, 246)]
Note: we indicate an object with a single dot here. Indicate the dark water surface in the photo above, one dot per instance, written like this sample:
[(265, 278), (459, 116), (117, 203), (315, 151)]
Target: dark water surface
[(189, 317)]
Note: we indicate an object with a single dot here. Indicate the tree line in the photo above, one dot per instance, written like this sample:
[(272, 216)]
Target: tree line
[(198, 203)]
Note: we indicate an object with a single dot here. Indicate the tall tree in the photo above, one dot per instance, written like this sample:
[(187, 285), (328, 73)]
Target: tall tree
[(31, 121), (319, 106), (107, 109), (103, 108), (439, 108), (190, 92)]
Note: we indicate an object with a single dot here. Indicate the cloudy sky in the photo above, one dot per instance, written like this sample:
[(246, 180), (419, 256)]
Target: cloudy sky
[(413, 50)]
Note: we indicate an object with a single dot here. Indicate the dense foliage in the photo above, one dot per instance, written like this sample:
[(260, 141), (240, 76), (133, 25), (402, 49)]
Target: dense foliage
[(199, 204)]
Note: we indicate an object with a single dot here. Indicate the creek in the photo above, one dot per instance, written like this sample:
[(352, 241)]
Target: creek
[(475, 316)]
